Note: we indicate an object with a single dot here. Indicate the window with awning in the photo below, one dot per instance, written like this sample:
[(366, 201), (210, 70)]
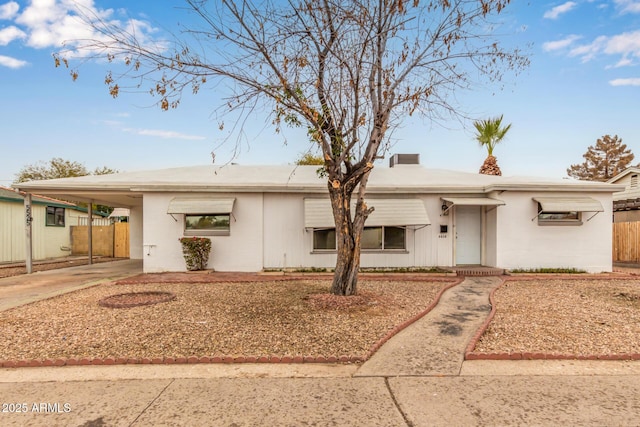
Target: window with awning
[(388, 212), (568, 204), (565, 210), (200, 205), (203, 216), (385, 228)]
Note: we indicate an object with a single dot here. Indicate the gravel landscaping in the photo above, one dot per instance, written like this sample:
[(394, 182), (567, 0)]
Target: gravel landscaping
[(580, 317), (281, 317)]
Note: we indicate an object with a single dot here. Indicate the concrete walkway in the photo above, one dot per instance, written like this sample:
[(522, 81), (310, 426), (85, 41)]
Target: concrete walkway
[(435, 344), (417, 379)]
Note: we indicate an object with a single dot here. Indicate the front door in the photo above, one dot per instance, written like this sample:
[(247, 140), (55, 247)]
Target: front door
[(468, 235)]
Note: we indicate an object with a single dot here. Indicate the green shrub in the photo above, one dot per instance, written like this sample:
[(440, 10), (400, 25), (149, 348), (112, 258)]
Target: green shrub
[(196, 252), (547, 271)]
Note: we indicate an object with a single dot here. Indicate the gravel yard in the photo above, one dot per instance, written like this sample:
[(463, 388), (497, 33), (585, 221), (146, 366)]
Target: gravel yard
[(214, 319), (581, 317)]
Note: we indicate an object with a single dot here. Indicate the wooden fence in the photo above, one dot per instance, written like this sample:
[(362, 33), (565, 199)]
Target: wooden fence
[(626, 241), (108, 240)]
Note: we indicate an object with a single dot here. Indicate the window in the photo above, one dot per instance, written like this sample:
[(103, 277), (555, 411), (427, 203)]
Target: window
[(324, 239), (373, 238), (55, 216), (209, 224), (559, 218), (634, 181)]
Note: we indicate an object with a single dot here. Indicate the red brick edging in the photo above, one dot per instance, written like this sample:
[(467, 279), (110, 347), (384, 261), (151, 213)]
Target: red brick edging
[(415, 318), (518, 355), (237, 359), (180, 360)]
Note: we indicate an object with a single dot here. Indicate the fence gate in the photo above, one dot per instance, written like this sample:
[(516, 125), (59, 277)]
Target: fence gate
[(626, 241), (121, 240), (108, 240)]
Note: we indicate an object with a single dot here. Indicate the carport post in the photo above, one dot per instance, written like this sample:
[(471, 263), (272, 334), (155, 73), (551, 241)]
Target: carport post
[(28, 240), (90, 230)]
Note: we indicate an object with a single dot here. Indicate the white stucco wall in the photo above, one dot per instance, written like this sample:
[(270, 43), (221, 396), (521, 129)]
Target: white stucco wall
[(267, 231), (241, 250), (287, 244), (489, 235), (136, 250), (522, 243)]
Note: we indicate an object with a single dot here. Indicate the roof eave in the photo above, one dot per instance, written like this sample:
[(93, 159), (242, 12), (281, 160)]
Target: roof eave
[(596, 188)]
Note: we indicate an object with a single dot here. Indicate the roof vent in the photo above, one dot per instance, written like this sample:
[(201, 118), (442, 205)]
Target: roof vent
[(404, 159)]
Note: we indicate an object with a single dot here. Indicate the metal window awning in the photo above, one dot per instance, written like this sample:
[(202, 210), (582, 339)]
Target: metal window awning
[(117, 212), (200, 205), (391, 212), (471, 201), (568, 204)]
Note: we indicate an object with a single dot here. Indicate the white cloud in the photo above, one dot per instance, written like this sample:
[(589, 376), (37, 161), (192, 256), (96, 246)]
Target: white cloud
[(7, 61), (165, 134), (9, 10), (559, 10), (63, 24), (625, 82), (589, 51), (560, 44), (624, 62), (628, 6), (625, 45), (9, 34)]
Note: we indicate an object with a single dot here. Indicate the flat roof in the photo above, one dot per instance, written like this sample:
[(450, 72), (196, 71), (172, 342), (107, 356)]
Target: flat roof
[(125, 189)]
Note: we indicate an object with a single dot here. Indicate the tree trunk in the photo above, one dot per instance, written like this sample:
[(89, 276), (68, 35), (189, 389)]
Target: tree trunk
[(490, 167), (348, 235)]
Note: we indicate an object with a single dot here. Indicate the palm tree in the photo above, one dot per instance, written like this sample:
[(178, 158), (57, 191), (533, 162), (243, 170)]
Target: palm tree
[(489, 134)]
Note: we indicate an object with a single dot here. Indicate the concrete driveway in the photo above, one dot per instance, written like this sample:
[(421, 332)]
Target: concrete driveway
[(26, 288)]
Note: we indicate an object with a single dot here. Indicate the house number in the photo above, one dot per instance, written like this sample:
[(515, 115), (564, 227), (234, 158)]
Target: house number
[(28, 214)]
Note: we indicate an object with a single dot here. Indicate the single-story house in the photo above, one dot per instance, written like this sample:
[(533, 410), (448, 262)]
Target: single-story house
[(279, 217), (626, 203), (51, 222)]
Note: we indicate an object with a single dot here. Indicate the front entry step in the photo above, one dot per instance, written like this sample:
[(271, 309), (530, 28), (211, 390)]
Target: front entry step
[(478, 271)]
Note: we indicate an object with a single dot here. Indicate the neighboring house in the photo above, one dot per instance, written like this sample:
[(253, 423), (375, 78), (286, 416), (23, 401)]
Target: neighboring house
[(626, 203), (50, 227), (278, 217)]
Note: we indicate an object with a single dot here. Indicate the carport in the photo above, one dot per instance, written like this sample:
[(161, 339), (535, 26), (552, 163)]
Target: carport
[(89, 191)]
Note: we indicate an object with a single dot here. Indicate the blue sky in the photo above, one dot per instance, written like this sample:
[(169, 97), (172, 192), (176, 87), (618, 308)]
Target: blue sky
[(583, 82)]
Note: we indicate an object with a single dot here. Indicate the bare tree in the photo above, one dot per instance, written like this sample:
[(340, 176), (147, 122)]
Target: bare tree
[(349, 70)]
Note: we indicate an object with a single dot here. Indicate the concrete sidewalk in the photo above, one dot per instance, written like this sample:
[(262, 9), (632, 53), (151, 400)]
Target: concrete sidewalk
[(417, 379)]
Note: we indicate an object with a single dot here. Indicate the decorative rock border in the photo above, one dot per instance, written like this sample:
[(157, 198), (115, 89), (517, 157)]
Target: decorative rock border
[(170, 360), (469, 354)]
